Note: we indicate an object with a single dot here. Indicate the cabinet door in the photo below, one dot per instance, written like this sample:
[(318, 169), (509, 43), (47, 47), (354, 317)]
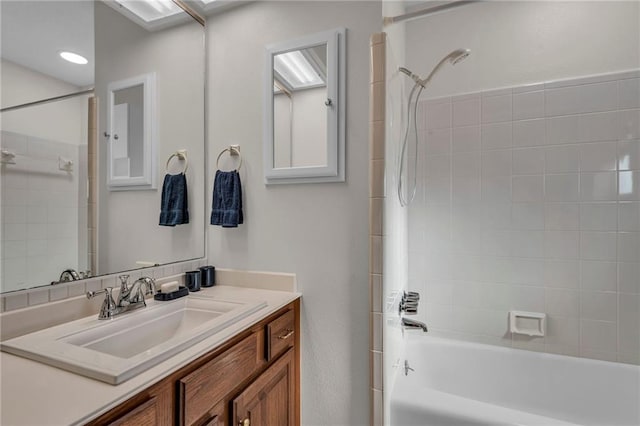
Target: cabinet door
[(201, 390), (270, 399), (143, 415)]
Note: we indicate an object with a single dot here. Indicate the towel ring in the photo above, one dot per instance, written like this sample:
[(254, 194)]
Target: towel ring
[(182, 155), (232, 151)]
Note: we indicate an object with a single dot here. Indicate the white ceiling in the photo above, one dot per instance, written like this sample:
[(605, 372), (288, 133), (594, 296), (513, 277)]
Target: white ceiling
[(33, 32)]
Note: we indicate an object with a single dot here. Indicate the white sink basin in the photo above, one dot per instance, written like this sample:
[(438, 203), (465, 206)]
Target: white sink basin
[(116, 350)]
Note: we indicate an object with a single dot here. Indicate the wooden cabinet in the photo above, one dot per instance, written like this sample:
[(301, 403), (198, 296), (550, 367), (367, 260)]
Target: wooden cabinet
[(211, 382), (253, 379), (143, 415), (280, 335), (269, 400)]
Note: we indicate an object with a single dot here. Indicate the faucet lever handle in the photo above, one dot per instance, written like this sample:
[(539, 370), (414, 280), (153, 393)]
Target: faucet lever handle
[(412, 296), (123, 282), (109, 307)]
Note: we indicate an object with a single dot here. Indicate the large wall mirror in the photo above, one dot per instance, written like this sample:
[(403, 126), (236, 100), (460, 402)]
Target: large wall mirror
[(304, 109), (55, 144)]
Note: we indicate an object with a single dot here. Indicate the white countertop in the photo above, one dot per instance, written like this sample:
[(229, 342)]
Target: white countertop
[(33, 394)]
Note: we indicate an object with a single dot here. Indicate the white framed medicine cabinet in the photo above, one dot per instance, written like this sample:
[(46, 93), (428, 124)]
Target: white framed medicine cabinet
[(131, 150), (304, 95)]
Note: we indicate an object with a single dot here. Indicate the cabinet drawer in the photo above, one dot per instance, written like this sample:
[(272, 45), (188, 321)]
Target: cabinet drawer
[(202, 389), (280, 335)]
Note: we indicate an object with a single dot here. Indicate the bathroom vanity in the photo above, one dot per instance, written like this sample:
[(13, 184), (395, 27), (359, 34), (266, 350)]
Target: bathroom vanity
[(252, 379), (246, 374)]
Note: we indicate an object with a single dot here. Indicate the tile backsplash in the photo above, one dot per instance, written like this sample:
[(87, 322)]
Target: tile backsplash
[(24, 298), (529, 199)]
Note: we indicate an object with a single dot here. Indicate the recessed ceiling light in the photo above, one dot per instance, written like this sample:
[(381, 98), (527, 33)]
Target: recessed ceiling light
[(74, 58)]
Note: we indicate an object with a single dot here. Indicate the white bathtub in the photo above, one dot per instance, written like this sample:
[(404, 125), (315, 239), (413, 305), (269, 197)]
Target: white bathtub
[(457, 383)]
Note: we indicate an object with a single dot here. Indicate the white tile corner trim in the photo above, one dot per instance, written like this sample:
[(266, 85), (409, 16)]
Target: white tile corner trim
[(529, 199)]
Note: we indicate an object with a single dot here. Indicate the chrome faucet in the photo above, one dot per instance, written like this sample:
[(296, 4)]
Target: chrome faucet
[(409, 323), (130, 298), (149, 285), (68, 275), (133, 297)]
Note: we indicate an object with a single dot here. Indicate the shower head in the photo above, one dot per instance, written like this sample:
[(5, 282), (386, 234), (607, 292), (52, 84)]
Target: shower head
[(454, 57), (458, 55)]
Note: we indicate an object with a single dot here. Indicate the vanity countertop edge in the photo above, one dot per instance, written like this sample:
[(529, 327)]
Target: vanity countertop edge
[(32, 393)]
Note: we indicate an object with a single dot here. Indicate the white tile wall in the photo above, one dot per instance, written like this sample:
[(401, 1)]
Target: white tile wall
[(530, 199)]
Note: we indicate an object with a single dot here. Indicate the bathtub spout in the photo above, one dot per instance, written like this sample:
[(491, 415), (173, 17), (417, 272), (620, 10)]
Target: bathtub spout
[(409, 323)]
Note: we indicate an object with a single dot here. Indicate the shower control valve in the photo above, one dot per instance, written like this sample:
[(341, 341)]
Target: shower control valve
[(409, 303), (411, 296)]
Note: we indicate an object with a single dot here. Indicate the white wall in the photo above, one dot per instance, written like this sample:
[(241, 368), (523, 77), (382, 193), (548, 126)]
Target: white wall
[(128, 220), (309, 134), (282, 130), (318, 231), (515, 42)]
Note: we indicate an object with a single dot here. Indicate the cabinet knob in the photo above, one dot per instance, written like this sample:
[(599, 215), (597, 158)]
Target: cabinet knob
[(245, 422)]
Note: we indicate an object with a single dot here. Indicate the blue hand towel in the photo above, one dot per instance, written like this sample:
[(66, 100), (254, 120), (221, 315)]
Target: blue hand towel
[(174, 207), (226, 205)]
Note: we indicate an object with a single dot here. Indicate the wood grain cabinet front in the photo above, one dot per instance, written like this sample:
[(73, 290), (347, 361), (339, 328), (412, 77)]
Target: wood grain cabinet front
[(145, 414), (280, 335), (269, 400), (205, 387), (251, 380)]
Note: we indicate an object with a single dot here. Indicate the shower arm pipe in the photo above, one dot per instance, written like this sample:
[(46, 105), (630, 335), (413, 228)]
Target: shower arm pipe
[(48, 100), (388, 20)]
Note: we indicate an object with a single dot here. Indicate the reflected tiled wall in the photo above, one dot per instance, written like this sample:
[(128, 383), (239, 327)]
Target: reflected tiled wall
[(39, 210), (529, 199)]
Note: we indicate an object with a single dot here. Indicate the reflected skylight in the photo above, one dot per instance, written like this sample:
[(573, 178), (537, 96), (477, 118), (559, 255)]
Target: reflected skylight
[(296, 71), (151, 10)]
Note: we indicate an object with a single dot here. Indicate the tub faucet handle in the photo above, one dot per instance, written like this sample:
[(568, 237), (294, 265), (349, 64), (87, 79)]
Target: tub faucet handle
[(413, 296), (409, 303), (409, 308)]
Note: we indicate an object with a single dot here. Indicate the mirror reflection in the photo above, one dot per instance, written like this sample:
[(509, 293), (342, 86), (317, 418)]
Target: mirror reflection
[(131, 145), (59, 219), (299, 110), (127, 156)]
